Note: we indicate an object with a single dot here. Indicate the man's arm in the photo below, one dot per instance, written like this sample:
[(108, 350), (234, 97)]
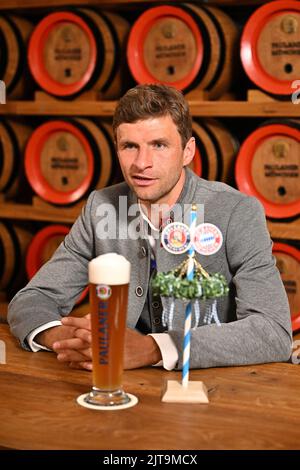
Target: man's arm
[(262, 332), (52, 292)]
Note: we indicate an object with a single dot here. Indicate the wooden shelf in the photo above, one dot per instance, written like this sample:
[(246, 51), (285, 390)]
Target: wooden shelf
[(40, 211), (106, 108), (15, 4), (288, 230)]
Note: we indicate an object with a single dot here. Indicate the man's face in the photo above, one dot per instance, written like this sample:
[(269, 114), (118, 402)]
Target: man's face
[(152, 159)]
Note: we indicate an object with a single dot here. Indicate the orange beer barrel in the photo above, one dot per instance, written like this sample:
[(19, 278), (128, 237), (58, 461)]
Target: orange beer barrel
[(70, 52), (14, 35), (13, 138), (42, 247), (270, 46), (216, 150), (14, 241), (268, 165), (288, 264), (188, 47), (64, 159)]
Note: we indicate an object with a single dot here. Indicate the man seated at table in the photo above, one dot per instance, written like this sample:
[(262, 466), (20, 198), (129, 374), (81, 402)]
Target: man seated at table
[(154, 143)]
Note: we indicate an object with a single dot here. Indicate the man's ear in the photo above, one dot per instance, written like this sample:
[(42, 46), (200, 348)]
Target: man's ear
[(189, 151)]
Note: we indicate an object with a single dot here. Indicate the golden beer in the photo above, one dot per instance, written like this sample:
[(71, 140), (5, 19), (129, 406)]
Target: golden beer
[(108, 333), (109, 277)]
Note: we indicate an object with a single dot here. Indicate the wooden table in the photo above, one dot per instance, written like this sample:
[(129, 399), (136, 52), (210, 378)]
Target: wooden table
[(255, 407)]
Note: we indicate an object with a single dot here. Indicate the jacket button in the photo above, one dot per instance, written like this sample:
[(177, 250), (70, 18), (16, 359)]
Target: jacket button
[(139, 291), (156, 321), (143, 251), (156, 304)]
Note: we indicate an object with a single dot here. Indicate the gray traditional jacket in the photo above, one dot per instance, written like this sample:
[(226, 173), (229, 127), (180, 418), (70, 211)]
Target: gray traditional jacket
[(255, 317)]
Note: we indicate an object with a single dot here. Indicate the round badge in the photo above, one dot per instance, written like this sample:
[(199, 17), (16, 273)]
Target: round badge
[(103, 291), (208, 239), (176, 238)]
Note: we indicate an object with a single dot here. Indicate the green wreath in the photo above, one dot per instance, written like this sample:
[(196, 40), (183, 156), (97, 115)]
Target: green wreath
[(203, 285)]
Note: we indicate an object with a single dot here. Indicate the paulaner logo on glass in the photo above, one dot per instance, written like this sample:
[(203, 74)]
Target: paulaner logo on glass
[(296, 94), (2, 92), (103, 293)]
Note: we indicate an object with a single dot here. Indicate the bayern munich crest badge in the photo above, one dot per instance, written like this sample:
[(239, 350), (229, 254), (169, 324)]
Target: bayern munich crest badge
[(176, 238), (208, 239)]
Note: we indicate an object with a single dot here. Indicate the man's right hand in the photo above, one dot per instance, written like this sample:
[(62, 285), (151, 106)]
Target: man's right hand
[(71, 341)]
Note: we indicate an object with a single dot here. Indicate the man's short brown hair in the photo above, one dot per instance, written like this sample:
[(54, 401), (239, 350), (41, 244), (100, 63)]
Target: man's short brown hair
[(149, 101)]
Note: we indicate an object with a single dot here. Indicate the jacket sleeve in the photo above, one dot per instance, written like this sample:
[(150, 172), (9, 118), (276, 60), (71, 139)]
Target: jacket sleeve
[(262, 330), (53, 291)]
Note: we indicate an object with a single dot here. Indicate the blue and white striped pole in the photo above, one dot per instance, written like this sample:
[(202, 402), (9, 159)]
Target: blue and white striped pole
[(188, 310)]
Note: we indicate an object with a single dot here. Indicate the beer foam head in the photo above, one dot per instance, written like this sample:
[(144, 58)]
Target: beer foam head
[(111, 269)]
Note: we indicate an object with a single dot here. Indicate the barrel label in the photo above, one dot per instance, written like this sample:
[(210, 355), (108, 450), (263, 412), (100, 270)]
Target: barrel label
[(63, 163), (173, 50), (285, 48), (287, 171), (68, 54)]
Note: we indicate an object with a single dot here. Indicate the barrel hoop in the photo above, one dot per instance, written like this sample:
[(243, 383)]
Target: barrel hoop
[(206, 54), (282, 121), (214, 140), (100, 46), (112, 150), (95, 149), (203, 153), (4, 54), (279, 247), (18, 254), (2, 257), (22, 58), (117, 54), (17, 152), (221, 62)]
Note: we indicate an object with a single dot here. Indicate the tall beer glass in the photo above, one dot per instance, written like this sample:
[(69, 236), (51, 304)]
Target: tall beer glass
[(109, 277)]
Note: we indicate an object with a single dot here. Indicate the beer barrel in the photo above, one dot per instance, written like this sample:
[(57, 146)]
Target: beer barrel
[(288, 264), (268, 165), (216, 150), (64, 159), (42, 247), (187, 47), (270, 46), (13, 138), (14, 35), (14, 241), (70, 52)]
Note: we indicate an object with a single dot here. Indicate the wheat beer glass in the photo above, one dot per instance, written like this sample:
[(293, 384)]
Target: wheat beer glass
[(109, 277)]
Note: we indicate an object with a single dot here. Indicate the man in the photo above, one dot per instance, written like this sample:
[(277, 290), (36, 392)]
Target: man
[(154, 142)]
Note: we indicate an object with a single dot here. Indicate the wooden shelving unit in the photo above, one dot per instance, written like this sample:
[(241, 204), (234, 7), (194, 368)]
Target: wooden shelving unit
[(198, 108), (17, 4)]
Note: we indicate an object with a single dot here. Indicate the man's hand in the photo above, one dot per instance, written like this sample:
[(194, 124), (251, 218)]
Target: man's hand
[(76, 349), (139, 350)]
